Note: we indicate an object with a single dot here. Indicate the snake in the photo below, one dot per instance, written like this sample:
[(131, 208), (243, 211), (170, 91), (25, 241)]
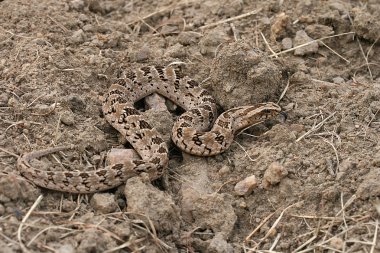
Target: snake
[(196, 131)]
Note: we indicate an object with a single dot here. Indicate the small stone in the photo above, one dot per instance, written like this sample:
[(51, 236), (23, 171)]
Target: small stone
[(338, 80), (68, 205), (286, 43), (155, 102), (66, 248), (189, 38), (243, 204), (142, 55), (77, 5), (96, 159), (289, 107), (246, 186), (336, 243), (88, 28), (78, 37), (219, 245), (224, 170), (4, 99), (83, 17), (274, 174), (302, 38), (121, 155), (176, 51), (319, 31), (103, 202), (67, 118)]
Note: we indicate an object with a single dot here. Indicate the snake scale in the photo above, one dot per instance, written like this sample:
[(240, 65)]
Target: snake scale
[(191, 131)]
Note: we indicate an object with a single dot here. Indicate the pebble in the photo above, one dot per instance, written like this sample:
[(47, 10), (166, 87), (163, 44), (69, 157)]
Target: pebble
[(246, 186), (338, 80), (104, 202), (4, 99), (78, 37), (88, 28), (243, 204), (66, 248), (68, 205), (224, 170), (141, 55), (77, 5), (189, 38), (274, 174), (121, 155), (219, 245), (286, 43), (318, 31), (336, 243), (176, 51), (302, 38), (155, 102), (67, 118)]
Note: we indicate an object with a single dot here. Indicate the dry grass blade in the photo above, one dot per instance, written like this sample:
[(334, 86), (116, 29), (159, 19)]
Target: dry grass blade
[(44, 230), (365, 58), (231, 19), (335, 151), (9, 152), (284, 91), (258, 227), (305, 244), (268, 46), (375, 238), (26, 217), (271, 231), (310, 42), (127, 244), (151, 230), (316, 127)]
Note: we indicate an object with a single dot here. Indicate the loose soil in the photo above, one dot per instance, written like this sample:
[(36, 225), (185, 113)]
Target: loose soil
[(307, 183)]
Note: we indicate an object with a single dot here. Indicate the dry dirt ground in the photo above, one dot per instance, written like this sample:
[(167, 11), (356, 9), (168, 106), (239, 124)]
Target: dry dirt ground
[(312, 180)]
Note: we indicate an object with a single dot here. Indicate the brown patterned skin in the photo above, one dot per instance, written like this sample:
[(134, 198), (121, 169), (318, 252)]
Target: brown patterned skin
[(190, 132)]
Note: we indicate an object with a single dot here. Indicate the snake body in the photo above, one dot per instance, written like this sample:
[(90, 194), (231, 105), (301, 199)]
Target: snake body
[(190, 132)]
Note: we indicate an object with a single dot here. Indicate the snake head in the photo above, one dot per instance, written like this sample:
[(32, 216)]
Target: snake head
[(267, 110)]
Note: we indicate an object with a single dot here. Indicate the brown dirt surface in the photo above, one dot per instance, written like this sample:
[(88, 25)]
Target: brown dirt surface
[(313, 179)]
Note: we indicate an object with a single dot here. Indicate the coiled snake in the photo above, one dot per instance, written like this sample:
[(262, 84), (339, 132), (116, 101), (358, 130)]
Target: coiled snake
[(190, 132)]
